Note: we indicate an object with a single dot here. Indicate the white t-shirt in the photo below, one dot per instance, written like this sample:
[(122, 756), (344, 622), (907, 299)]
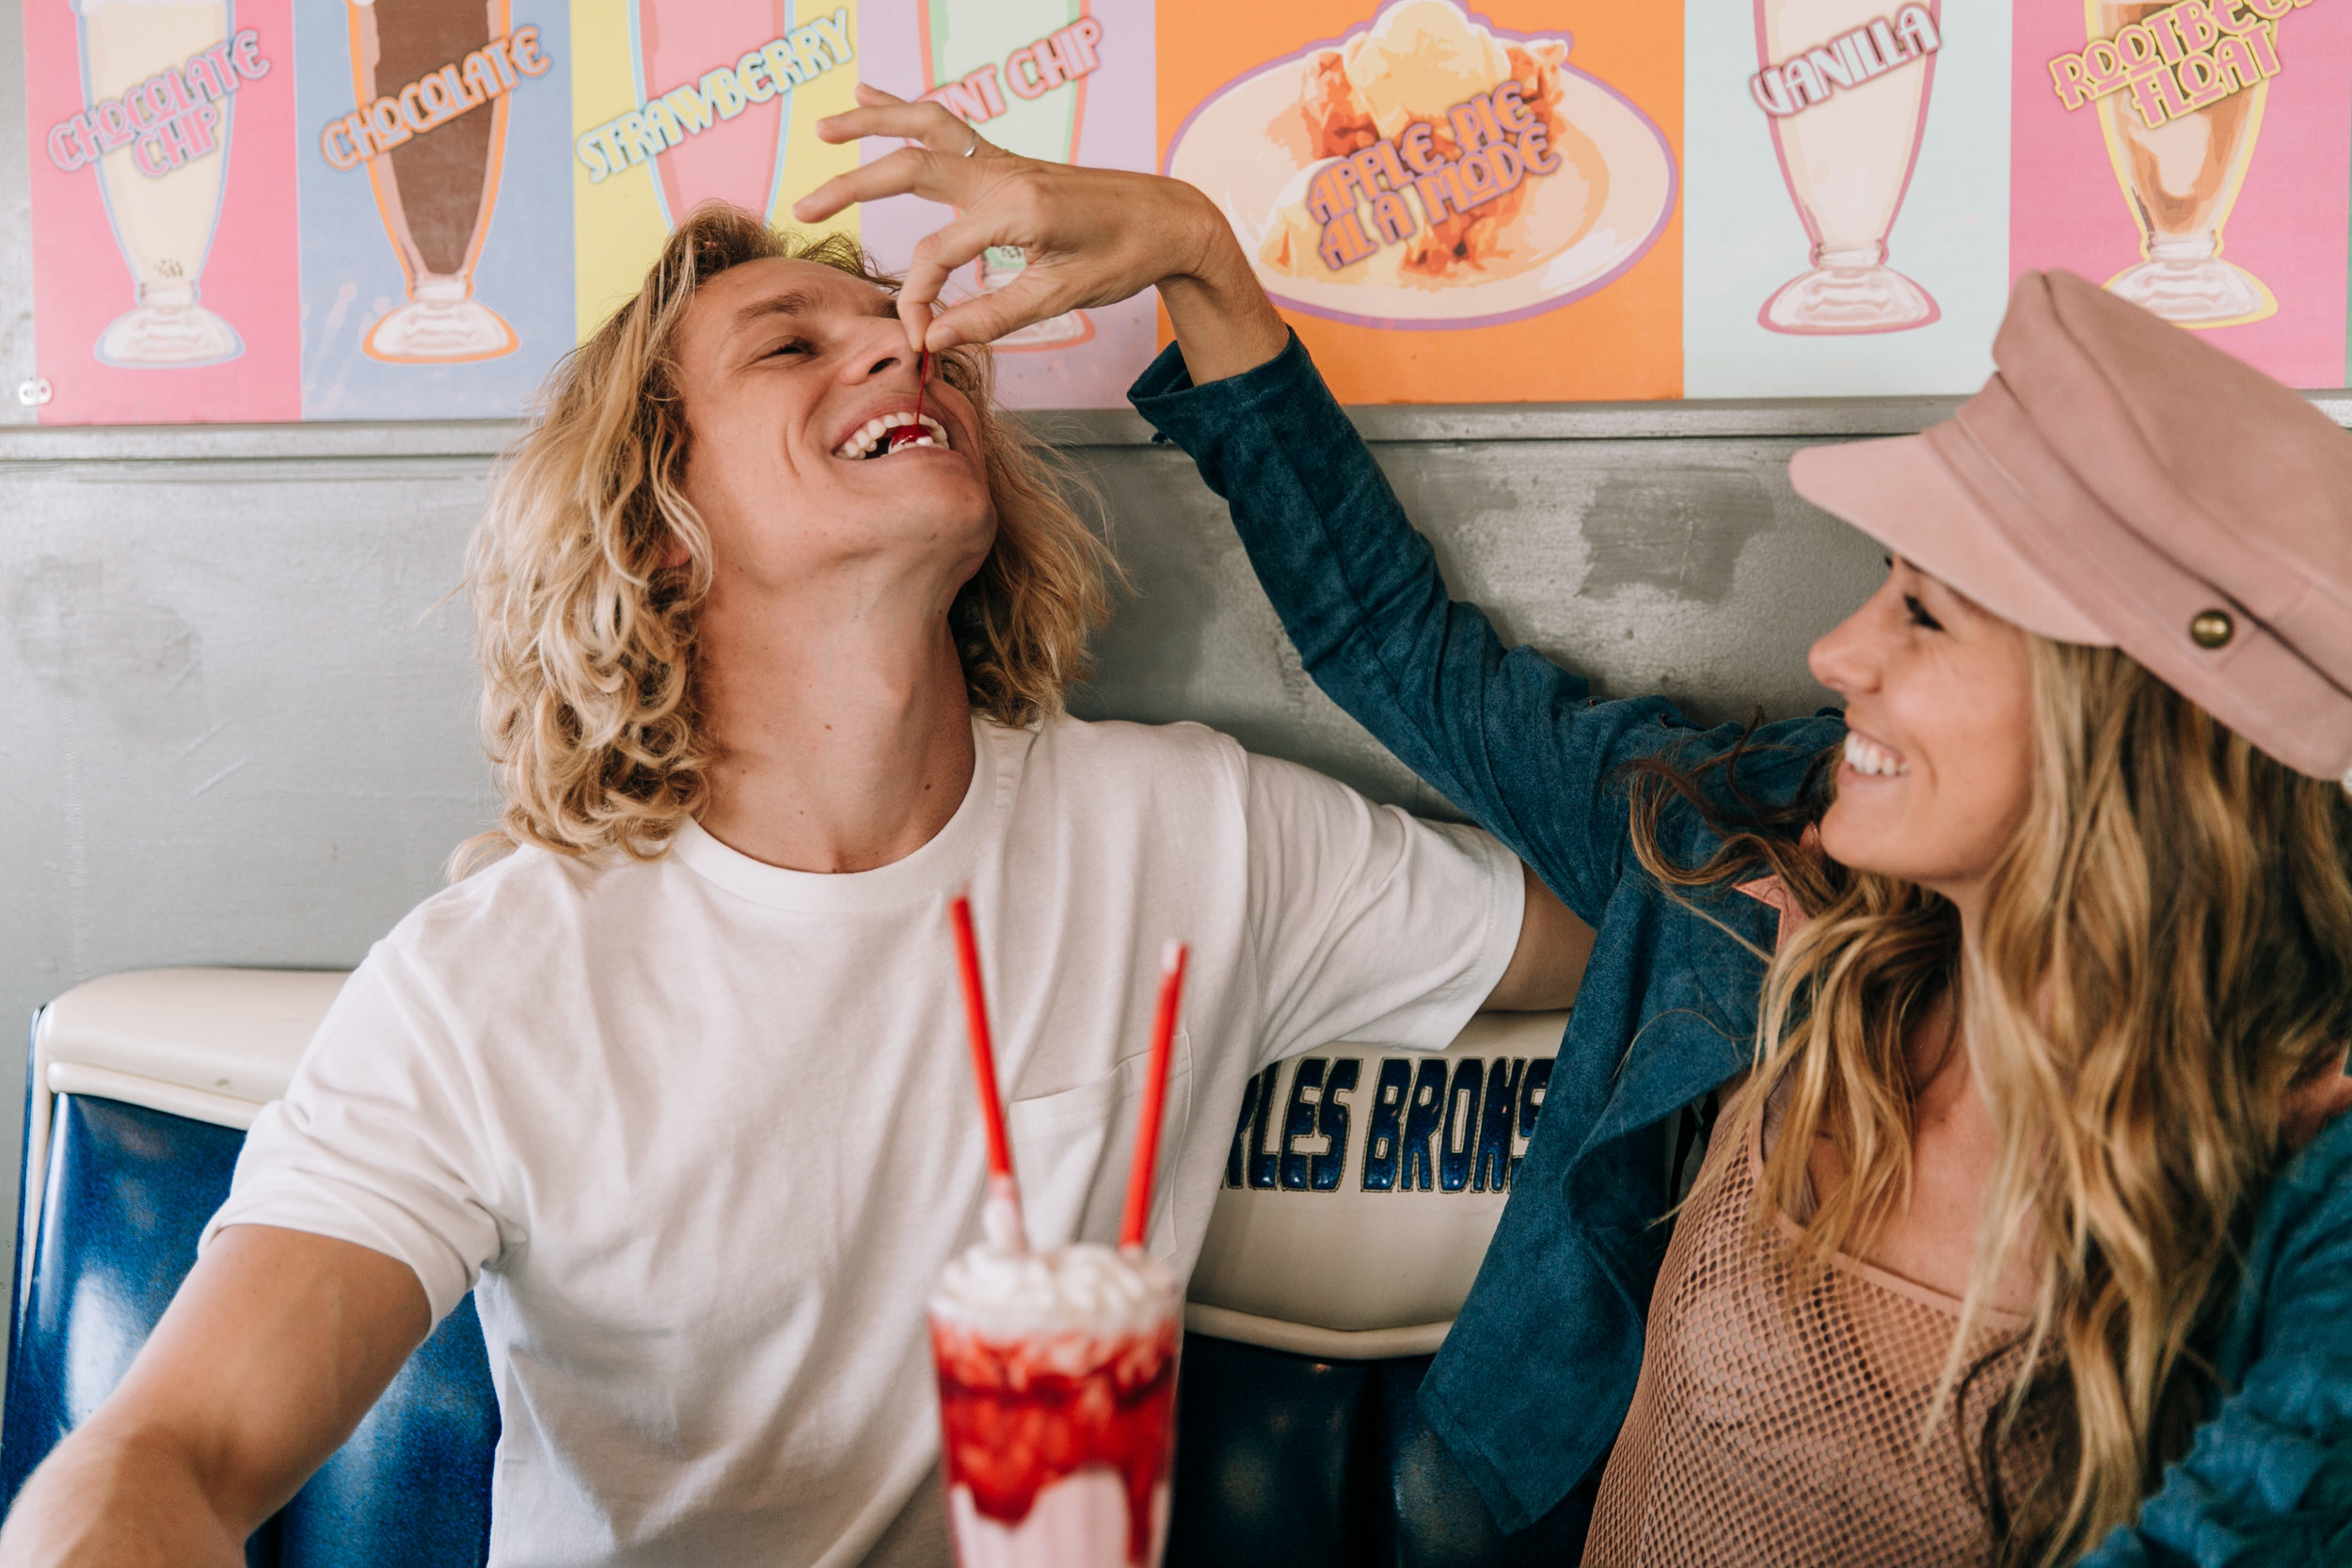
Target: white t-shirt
[(700, 1132)]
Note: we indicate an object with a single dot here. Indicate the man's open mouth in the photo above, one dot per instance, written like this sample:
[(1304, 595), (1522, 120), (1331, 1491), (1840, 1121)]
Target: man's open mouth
[(872, 438)]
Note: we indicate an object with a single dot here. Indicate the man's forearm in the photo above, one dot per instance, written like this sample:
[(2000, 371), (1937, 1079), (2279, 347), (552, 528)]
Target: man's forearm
[(1224, 322), (126, 1500)]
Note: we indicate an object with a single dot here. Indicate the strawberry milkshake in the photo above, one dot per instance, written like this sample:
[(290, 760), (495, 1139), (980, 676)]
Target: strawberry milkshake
[(1057, 1397)]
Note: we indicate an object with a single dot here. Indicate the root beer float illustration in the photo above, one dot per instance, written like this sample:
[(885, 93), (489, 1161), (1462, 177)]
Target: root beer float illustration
[(2179, 90), (431, 79)]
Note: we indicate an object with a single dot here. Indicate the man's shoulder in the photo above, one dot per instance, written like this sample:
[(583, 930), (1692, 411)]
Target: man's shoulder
[(530, 901), (1123, 754)]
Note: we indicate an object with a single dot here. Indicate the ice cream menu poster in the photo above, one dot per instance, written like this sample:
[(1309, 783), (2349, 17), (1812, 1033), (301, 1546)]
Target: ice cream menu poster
[(276, 210)]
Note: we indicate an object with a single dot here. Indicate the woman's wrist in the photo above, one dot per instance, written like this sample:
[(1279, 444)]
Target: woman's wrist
[(1224, 322)]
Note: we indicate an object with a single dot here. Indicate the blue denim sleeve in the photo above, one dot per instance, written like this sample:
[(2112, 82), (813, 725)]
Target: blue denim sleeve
[(1514, 741), (2269, 1480)]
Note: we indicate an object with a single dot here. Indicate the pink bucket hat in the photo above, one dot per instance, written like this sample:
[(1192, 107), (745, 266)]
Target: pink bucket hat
[(2121, 484)]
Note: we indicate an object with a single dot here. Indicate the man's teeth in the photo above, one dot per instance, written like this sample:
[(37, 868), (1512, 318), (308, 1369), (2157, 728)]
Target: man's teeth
[(870, 435), (1875, 761)]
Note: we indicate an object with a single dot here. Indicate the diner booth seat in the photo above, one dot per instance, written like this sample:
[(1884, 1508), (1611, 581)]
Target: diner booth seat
[(138, 1092), (1361, 1187)]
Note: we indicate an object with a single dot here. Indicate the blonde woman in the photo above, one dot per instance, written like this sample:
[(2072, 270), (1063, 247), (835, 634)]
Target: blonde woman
[(2025, 1234), (676, 1085)]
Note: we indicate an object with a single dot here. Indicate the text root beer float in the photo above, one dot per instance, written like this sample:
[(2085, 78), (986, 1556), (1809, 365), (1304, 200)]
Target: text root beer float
[(429, 78), (159, 83), (2179, 90), (1846, 85), (1057, 1369)]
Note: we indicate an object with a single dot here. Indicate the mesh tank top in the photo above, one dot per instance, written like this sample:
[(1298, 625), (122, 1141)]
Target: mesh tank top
[(1767, 1430)]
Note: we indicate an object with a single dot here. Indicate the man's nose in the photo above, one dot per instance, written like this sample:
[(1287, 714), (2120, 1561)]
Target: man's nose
[(886, 350)]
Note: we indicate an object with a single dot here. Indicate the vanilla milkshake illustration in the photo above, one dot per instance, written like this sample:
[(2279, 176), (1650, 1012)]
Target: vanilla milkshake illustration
[(1044, 107), (435, 190), (162, 223), (1847, 157), (2181, 180)]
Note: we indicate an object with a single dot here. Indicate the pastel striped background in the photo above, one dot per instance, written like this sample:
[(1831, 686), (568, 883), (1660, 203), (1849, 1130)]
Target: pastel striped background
[(2005, 179)]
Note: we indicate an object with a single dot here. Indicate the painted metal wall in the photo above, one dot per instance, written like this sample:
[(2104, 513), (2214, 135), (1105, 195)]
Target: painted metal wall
[(240, 693), (239, 698)]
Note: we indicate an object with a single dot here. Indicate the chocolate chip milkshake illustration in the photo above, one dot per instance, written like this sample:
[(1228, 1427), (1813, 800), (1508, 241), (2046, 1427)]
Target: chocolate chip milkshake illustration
[(431, 78), (159, 127), (701, 62), (1845, 84), (2182, 176), (1017, 70)]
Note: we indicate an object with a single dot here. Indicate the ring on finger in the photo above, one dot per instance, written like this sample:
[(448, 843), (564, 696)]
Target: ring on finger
[(977, 140)]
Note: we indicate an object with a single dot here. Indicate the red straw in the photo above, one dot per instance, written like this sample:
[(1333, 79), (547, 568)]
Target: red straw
[(983, 1053), (1139, 1214)]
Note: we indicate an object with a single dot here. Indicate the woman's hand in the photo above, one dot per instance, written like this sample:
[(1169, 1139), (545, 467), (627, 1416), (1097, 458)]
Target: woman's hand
[(1090, 236)]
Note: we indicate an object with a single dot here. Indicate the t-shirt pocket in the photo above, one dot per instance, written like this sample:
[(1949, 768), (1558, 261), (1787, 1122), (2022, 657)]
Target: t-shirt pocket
[(1071, 1151)]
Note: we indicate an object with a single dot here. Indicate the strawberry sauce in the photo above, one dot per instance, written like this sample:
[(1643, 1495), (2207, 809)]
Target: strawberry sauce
[(1020, 1417), (915, 432)]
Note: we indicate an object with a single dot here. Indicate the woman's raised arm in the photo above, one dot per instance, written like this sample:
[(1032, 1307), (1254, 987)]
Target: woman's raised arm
[(1507, 736)]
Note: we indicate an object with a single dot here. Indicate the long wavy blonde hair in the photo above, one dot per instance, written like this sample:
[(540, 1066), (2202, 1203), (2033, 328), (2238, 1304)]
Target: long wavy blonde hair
[(585, 631), (2167, 954)]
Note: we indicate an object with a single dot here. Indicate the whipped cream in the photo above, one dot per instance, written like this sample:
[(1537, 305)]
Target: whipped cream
[(1001, 1293)]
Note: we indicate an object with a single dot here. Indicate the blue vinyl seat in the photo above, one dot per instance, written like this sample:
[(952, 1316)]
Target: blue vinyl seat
[(139, 1089)]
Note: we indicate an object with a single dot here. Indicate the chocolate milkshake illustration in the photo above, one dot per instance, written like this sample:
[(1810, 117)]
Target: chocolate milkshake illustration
[(163, 222), (2181, 180), (685, 54), (437, 186), (1845, 89), (1042, 50)]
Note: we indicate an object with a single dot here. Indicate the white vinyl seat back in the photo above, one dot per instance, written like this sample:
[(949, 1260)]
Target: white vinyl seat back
[(211, 1044), (1363, 1186)]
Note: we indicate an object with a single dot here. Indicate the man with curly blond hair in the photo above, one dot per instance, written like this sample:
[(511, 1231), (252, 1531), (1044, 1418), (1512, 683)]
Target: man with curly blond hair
[(674, 1081)]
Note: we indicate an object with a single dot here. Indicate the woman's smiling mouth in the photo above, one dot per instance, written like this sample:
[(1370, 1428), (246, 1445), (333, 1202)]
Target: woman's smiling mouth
[(1871, 760)]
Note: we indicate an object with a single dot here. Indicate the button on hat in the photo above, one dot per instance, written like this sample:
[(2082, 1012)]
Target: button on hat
[(2122, 483)]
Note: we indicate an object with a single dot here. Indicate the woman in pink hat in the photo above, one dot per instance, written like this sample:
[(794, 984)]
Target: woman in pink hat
[(2023, 984)]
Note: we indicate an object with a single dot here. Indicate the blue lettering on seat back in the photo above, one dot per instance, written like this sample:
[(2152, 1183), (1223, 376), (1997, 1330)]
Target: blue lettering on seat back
[(1424, 1115), (1430, 1124), (1384, 1135), (1490, 1171), (1324, 1170), (1460, 1143)]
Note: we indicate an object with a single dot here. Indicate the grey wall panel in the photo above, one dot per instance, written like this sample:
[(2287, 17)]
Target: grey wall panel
[(1686, 567), (243, 705)]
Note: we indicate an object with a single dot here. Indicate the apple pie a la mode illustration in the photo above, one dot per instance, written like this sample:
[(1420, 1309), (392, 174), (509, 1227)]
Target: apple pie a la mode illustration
[(1429, 170)]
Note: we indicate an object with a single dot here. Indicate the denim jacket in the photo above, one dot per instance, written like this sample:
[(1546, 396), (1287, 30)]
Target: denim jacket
[(1536, 1378)]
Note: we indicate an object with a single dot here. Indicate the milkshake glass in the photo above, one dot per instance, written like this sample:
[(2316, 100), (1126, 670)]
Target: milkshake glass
[(162, 223), (2182, 179), (962, 35), (1847, 165), (1058, 1404)]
